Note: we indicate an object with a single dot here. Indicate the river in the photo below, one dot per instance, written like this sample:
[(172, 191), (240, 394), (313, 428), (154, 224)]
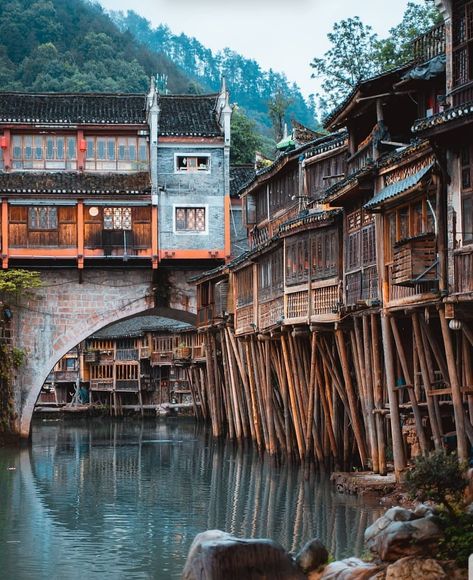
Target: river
[(124, 499)]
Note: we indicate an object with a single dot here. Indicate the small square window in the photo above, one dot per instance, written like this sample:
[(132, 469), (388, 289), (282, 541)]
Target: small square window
[(42, 218), (185, 163)]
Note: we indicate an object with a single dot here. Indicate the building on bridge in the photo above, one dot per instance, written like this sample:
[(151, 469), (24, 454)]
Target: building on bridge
[(93, 180)]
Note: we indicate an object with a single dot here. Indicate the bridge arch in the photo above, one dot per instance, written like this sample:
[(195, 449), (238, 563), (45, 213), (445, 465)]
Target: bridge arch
[(64, 312)]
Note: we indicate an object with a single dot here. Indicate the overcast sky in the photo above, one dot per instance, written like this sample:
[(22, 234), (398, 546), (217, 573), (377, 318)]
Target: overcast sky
[(281, 34)]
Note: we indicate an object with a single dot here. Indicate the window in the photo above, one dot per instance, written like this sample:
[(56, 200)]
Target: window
[(117, 218), (324, 246), (270, 275), (462, 42), (244, 286), (43, 152), (467, 194), (361, 247), (297, 260), (116, 153), (190, 219), (186, 163), (42, 218)]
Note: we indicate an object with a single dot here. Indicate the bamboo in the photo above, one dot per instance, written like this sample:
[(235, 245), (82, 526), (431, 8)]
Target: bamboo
[(458, 410)]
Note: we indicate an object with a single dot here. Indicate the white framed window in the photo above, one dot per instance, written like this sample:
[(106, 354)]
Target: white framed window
[(190, 219), (117, 218), (192, 163)]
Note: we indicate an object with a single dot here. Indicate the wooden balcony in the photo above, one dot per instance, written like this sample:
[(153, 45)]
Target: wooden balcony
[(270, 313), (101, 384), (128, 385), (127, 354), (205, 315), (415, 260), (400, 294), (462, 95), (145, 352), (161, 357), (297, 305), (430, 44), (463, 262), (198, 352), (65, 376), (92, 356)]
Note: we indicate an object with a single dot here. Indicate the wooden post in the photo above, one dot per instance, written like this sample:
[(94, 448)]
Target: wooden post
[(269, 399), (352, 409), (292, 396), (369, 393), (254, 409), (378, 396), (458, 410), (410, 386), (426, 381), (398, 447)]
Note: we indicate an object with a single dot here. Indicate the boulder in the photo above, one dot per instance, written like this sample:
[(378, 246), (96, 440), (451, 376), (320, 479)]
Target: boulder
[(313, 555), (400, 533), (216, 555), (350, 569), (420, 569)]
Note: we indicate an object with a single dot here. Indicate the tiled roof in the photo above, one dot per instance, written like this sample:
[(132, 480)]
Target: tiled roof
[(461, 112), (190, 115), (327, 143), (349, 180), (139, 325), (68, 109), (307, 218), (74, 182), (240, 175), (398, 187)]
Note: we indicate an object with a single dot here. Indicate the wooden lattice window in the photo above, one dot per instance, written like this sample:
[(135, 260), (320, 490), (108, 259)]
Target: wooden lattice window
[(117, 218), (361, 242), (324, 250), (116, 153), (244, 286), (42, 218), (297, 260), (462, 41), (467, 194), (43, 152), (190, 219)]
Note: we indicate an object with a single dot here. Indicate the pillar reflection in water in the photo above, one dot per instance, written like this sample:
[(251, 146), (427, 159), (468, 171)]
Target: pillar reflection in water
[(128, 498)]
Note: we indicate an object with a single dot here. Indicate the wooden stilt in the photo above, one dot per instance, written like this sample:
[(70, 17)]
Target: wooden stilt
[(462, 447), (378, 395), (292, 397), (254, 404)]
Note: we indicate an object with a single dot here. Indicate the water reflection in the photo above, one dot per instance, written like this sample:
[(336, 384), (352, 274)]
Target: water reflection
[(125, 500)]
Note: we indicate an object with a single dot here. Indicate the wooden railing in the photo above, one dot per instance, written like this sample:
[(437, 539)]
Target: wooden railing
[(463, 261), (270, 313), (159, 357), (361, 158), (205, 314), (396, 292), (462, 95), (325, 300), (101, 384), (361, 286), (127, 385), (126, 354), (430, 44), (244, 319), (198, 352), (258, 236), (65, 376), (297, 304)]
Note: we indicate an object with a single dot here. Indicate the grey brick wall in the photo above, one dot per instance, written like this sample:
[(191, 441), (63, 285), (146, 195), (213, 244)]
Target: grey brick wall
[(191, 189)]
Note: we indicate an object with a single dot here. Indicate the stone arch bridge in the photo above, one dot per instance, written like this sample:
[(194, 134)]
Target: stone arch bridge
[(68, 308)]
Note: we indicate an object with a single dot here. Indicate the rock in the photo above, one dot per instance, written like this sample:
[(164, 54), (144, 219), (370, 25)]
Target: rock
[(350, 569), (420, 569), (421, 510), (401, 533), (216, 555), (313, 555)]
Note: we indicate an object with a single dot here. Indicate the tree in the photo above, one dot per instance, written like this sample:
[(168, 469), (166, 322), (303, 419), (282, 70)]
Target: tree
[(350, 59), (397, 48), (277, 110), (245, 139)]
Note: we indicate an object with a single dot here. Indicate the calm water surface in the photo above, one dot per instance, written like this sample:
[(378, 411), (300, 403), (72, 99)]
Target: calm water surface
[(113, 500)]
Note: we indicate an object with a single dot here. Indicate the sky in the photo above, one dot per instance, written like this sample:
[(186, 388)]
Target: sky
[(284, 35)]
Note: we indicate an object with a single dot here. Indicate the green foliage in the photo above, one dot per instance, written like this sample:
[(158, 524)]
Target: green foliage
[(438, 477), (18, 357), (278, 106), (349, 59), (73, 46), (18, 281), (356, 52), (457, 541), (245, 138)]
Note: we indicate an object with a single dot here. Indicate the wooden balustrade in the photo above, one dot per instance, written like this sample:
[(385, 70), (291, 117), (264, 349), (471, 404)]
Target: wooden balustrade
[(205, 315), (126, 354), (64, 376), (463, 261), (414, 260), (461, 95), (325, 300), (361, 158), (430, 44), (297, 305), (270, 313), (244, 319), (399, 293)]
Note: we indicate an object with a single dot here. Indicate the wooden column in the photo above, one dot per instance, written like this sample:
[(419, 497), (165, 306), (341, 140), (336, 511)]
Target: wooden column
[(80, 234), (154, 237), (378, 395), (398, 446), (462, 447)]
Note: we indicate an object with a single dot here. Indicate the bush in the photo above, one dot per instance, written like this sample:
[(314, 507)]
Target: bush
[(457, 542), (438, 477)]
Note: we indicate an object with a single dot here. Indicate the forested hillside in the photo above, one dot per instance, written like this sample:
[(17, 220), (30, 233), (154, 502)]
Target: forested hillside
[(250, 86), (72, 45)]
